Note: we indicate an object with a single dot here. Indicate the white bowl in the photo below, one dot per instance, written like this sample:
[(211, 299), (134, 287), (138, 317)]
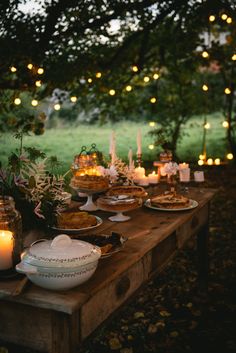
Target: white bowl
[(61, 263)]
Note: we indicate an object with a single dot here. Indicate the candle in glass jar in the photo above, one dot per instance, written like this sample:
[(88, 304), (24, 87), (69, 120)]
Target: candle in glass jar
[(6, 249), (153, 178), (183, 165)]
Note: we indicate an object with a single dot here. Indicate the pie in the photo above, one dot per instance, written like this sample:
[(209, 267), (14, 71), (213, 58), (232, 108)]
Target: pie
[(76, 220), (170, 200), (135, 191), (90, 182), (118, 203)]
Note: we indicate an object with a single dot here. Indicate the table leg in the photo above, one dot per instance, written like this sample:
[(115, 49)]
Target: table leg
[(203, 260)]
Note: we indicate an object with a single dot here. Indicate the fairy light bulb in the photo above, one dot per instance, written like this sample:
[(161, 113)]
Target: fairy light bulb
[(205, 54), (200, 162), (224, 16), (201, 156), (151, 147), (225, 124), (73, 99), (30, 66), (217, 161), (153, 100), (230, 156), (38, 83), (34, 102), (135, 68), (98, 74), (207, 126), (156, 76), (212, 18), (152, 123), (205, 88), (128, 88), (227, 90), (40, 71), (57, 106), (13, 69), (112, 92), (90, 80), (210, 161), (146, 79), (233, 57), (17, 101), (229, 20)]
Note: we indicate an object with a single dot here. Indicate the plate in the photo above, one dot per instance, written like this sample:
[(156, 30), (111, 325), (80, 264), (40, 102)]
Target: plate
[(192, 205), (78, 230)]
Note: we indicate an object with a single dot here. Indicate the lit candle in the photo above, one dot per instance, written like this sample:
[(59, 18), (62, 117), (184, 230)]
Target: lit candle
[(6, 249), (143, 181), (183, 165), (153, 178), (139, 142), (139, 173)]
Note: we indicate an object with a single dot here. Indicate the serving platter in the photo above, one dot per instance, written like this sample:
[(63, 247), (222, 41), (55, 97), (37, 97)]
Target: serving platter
[(78, 230), (192, 204)]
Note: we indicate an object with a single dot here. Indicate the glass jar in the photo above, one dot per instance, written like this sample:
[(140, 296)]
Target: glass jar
[(11, 241)]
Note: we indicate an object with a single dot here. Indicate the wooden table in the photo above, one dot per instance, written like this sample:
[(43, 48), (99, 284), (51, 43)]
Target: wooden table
[(58, 321)]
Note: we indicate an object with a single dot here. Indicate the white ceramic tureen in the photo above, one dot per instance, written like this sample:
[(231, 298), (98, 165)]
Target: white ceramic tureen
[(59, 264)]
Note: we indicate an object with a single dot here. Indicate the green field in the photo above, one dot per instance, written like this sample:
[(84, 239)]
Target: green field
[(66, 142)]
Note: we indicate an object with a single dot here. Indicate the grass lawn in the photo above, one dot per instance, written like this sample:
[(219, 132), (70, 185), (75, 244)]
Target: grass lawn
[(66, 142)]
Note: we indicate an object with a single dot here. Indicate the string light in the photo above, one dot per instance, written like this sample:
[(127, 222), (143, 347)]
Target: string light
[(227, 90), (201, 156), (224, 17), (229, 20), (156, 76), (40, 71), (128, 88), (17, 101), (98, 74), (146, 79), (38, 83), (207, 126), (225, 124), (210, 161), (230, 156), (13, 69), (153, 100), (57, 106), (212, 18), (200, 162), (233, 57), (205, 88), (30, 66), (151, 147), (112, 92), (73, 99), (90, 80), (34, 102), (152, 123), (217, 161), (205, 54), (135, 68)]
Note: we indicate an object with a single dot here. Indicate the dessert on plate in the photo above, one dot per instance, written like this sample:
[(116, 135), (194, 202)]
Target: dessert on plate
[(170, 200), (118, 203), (75, 220), (131, 191)]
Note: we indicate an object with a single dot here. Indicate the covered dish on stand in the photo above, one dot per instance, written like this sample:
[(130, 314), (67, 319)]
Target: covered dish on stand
[(59, 264)]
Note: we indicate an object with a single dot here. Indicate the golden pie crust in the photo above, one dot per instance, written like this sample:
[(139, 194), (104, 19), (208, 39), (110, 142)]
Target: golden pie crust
[(90, 182), (132, 191), (170, 200), (76, 220)]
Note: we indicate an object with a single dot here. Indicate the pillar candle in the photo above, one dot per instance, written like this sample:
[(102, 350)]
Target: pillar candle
[(143, 181), (6, 249), (184, 175), (183, 165), (153, 178)]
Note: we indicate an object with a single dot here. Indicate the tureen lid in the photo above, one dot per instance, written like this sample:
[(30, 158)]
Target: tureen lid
[(62, 251)]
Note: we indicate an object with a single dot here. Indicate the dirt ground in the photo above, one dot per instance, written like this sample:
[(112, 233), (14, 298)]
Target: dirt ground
[(170, 315)]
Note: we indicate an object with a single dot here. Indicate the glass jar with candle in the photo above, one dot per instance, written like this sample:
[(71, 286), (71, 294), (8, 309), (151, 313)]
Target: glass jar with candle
[(11, 241)]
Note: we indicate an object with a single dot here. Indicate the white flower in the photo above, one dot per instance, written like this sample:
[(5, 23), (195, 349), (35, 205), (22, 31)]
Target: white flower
[(112, 173), (170, 168)]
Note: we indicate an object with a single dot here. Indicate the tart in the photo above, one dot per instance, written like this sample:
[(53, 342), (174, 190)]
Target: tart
[(118, 203), (132, 191), (76, 220), (170, 200), (90, 182)]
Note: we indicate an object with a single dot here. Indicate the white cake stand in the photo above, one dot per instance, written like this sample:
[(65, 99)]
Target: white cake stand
[(89, 205), (119, 217)]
